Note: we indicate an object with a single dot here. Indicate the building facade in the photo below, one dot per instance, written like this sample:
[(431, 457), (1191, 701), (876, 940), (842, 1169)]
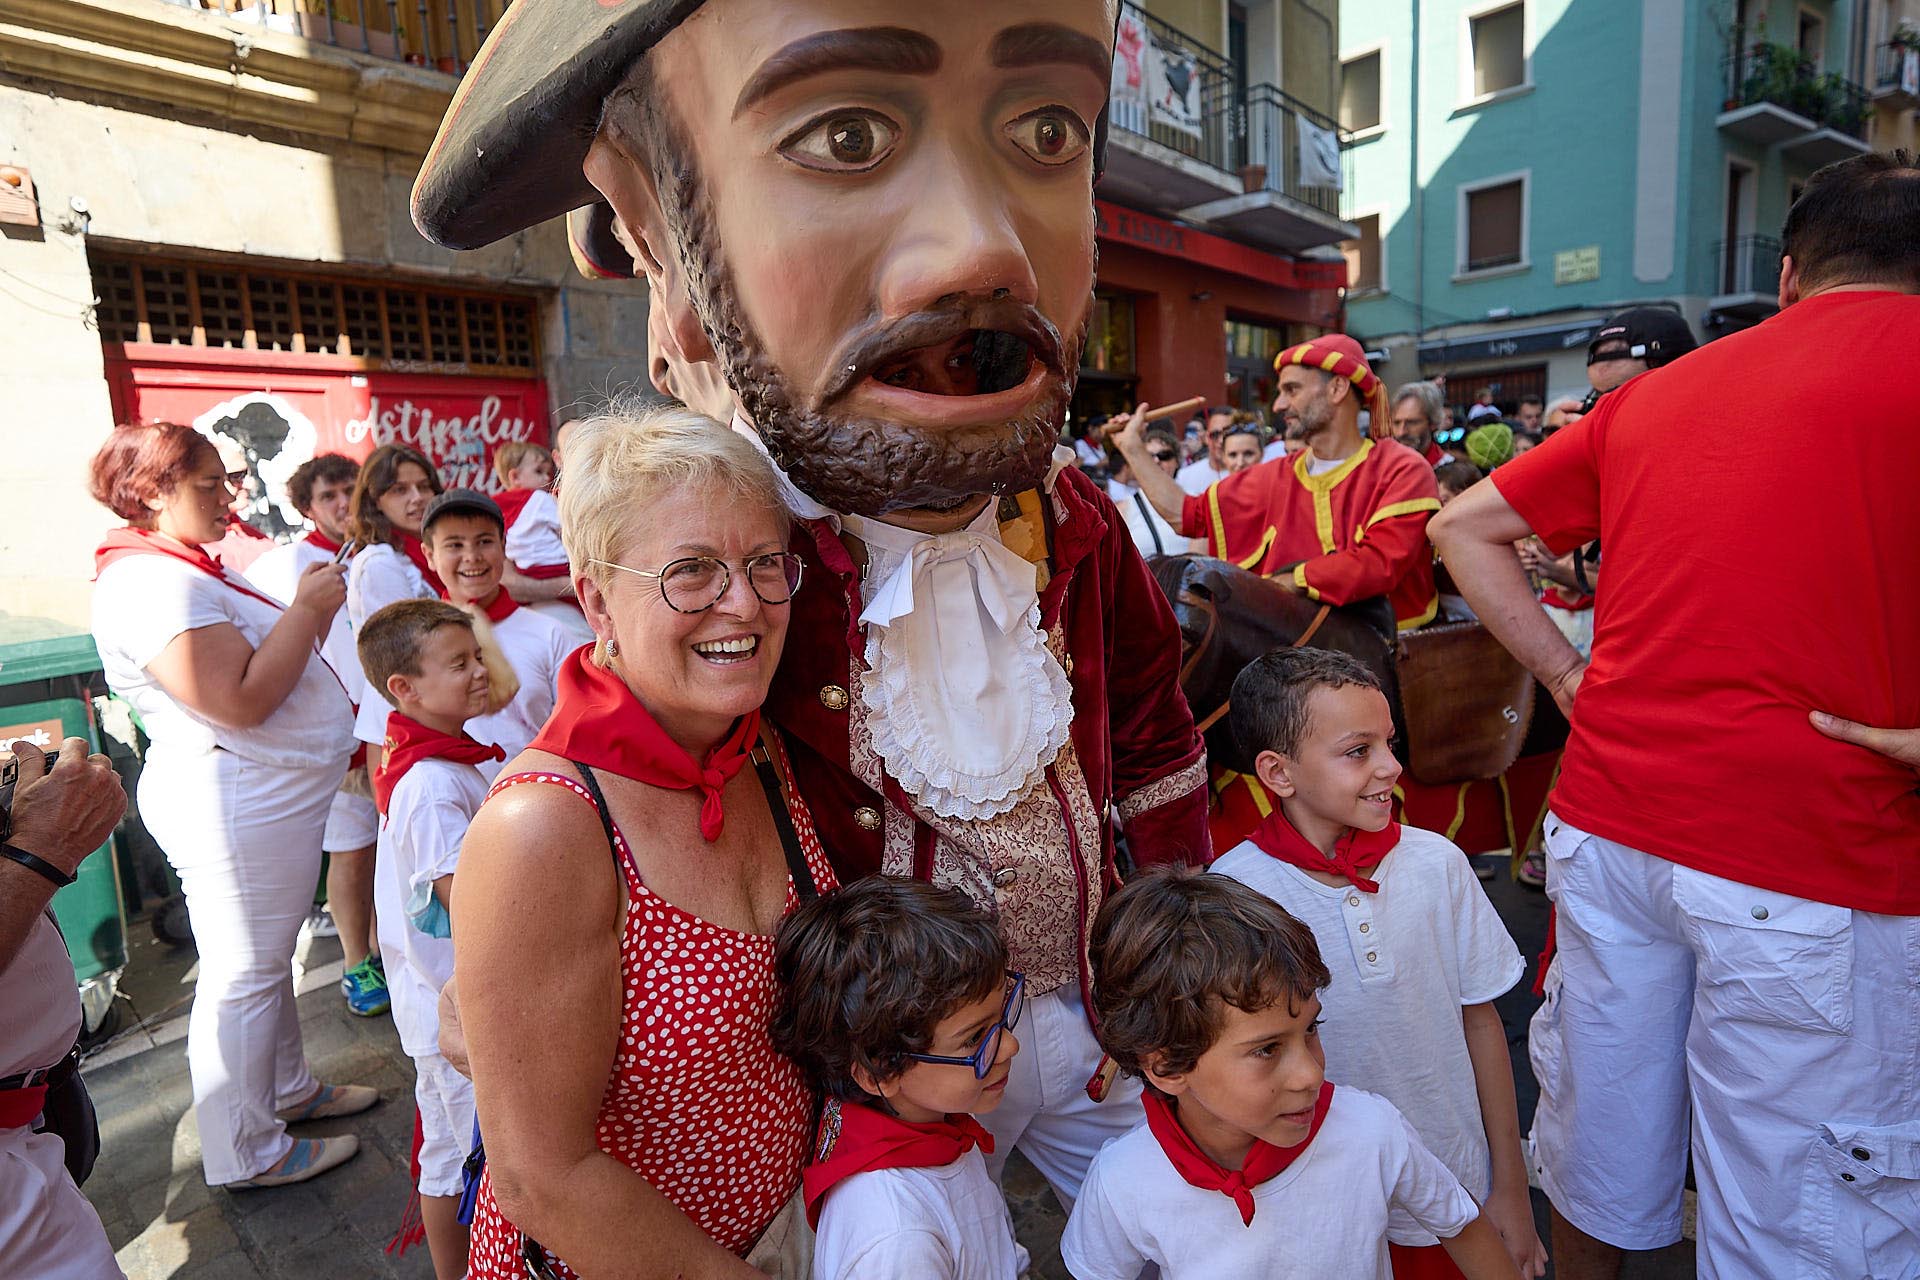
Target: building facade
[(1523, 167)]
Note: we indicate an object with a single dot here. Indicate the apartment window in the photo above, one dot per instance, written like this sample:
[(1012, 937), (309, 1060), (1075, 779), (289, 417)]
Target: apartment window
[(1811, 38), (1360, 92), (1498, 45), (1365, 270), (1493, 224)]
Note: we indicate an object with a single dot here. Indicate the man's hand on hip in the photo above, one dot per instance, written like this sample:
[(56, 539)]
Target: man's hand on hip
[(1899, 745)]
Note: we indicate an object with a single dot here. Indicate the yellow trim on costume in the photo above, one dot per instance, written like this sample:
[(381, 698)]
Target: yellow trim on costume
[(1421, 619), (1459, 811), (1260, 551), (1321, 487), (1300, 581), (1260, 801), (1407, 508), (1219, 521)]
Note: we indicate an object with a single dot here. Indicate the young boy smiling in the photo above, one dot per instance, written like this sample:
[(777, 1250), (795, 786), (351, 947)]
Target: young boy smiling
[(1250, 1163), (465, 539), (897, 1004), (421, 655), (1415, 950)]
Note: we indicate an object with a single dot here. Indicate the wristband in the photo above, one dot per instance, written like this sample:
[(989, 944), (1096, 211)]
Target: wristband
[(40, 865)]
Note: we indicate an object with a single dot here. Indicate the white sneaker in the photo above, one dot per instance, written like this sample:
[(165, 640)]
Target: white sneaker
[(320, 923)]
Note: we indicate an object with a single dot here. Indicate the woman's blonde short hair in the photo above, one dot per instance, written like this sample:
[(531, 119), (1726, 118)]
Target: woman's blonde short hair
[(619, 460)]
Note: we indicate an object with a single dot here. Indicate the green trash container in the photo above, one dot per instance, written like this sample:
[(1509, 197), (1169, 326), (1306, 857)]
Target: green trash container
[(46, 694)]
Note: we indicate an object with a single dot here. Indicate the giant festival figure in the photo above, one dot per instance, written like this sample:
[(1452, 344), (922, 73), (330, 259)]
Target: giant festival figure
[(876, 220)]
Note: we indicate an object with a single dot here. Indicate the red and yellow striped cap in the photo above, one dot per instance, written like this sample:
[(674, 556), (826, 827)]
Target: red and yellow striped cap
[(1336, 353)]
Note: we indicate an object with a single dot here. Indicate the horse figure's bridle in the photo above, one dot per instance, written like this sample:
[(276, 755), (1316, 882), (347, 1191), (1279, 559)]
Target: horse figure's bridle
[(1194, 600)]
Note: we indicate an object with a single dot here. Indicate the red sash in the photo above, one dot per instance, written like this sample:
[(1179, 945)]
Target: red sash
[(512, 502), (21, 1107), (855, 1138), (1264, 1161), (496, 609), (121, 543), (1354, 854), (409, 742), (597, 721), (416, 551), (322, 541)]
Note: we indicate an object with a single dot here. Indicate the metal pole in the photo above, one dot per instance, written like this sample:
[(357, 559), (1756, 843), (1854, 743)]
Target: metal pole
[(453, 34)]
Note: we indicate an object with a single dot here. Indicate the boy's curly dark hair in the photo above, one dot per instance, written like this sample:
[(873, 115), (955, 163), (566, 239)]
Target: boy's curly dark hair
[(1174, 947), (868, 971)]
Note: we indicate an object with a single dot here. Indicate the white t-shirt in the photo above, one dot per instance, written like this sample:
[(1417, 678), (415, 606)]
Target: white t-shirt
[(534, 538), (1143, 522), (535, 647), (1200, 475), (1404, 962), (427, 819), (378, 577), (1323, 1217), (142, 602), (278, 574), (945, 1223)]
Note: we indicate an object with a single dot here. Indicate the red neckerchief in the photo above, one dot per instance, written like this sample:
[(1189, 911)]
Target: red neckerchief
[(855, 1138), (1198, 1168), (409, 742), (245, 530), (1354, 854), (416, 551), (322, 541), (597, 721), (1434, 455), (121, 543), (496, 609), (512, 502)]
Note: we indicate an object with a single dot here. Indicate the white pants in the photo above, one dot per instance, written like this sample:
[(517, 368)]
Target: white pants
[(445, 1100), (245, 840), (1046, 1111), (1785, 1032), (48, 1231)]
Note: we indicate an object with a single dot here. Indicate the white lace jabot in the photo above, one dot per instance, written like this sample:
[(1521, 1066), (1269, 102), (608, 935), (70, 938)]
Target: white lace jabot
[(969, 706)]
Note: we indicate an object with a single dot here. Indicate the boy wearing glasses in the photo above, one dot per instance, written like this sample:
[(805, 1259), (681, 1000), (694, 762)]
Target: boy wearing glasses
[(897, 1004)]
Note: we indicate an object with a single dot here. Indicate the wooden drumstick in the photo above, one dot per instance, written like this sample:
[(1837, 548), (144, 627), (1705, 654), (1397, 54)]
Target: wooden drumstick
[(1164, 411)]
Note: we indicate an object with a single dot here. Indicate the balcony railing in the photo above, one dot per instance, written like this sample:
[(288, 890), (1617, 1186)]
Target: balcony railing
[(1761, 72), (445, 34), (1277, 142), (1158, 105), (1746, 265), (1896, 69)]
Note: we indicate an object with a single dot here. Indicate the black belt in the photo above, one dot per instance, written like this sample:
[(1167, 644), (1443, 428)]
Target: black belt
[(53, 1077)]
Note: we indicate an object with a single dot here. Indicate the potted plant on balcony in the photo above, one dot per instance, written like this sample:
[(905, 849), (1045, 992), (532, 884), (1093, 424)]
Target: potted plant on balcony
[(1905, 36)]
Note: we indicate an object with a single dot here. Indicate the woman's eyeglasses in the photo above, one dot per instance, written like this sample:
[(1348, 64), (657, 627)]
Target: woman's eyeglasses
[(1160, 457), (697, 583), (981, 1059)]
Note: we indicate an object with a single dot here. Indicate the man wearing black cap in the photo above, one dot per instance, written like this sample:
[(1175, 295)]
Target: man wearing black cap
[(876, 220), (1634, 341)]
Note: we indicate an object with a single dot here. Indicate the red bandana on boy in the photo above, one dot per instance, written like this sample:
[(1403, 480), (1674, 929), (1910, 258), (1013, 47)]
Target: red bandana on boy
[(855, 1138), (121, 543), (496, 609), (416, 551), (409, 742), (512, 502), (1264, 1161), (597, 721), (322, 541), (1354, 854)]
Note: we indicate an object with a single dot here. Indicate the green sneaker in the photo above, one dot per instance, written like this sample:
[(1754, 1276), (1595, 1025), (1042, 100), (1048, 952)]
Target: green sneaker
[(365, 987)]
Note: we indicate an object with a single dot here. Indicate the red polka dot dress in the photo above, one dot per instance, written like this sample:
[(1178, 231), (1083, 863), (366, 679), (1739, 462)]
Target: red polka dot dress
[(699, 1104)]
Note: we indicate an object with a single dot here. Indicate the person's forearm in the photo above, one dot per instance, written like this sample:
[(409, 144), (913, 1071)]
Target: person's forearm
[(608, 1222), (1493, 1082), (1489, 575), (1479, 1252), (1162, 490), (278, 663), (24, 895), (535, 590)]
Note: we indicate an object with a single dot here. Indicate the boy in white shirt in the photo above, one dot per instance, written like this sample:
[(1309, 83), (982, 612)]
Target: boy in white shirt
[(1417, 954), (896, 1002), (422, 655), (1250, 1163), (464, 536)]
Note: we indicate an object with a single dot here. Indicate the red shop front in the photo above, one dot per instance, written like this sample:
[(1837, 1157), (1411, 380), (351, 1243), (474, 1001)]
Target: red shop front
[(284, 408)]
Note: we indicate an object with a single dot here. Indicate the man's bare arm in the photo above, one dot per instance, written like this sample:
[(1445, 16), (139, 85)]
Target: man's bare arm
[(1167, 497)]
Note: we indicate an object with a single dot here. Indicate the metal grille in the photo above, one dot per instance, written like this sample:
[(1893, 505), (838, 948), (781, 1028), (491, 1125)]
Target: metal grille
[(199, 305)]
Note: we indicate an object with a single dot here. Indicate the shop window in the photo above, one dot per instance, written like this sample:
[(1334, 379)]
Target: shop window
[(1109, 348), (1497, 40), (1360, 92), (1493, 224), (1365, 273), (148, 300)]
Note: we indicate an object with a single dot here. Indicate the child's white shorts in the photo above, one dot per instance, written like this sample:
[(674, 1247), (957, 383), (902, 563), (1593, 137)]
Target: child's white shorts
[(445, 1099)]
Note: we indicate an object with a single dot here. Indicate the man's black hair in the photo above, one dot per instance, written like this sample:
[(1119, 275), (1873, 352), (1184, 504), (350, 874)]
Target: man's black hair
[(1857, 221)]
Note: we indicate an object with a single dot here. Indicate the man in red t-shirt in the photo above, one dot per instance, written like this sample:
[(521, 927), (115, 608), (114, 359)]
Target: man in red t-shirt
[(1737, 893)]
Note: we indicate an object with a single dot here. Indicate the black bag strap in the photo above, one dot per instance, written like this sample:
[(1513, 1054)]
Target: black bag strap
[(599, 807), (1146, 513), (797, 866)]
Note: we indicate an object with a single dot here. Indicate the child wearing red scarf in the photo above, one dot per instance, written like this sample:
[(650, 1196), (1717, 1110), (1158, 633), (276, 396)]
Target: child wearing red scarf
[(1415, 951), (1250, 1163), (897, 1005), (421, 655)]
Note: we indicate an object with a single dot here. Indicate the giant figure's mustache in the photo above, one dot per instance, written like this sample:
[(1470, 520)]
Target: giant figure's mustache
[(1008, 334)]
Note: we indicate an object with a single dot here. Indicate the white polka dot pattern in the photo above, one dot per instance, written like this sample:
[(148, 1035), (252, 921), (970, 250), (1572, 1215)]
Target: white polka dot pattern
[(699, 1103)]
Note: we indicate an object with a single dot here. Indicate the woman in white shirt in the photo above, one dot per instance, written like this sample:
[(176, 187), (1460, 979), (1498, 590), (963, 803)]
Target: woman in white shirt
[(250, 730), (389, 502)]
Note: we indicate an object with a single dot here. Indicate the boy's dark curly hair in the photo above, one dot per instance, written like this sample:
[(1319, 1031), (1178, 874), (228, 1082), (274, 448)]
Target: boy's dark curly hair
[(868, 971), (1174, 947)]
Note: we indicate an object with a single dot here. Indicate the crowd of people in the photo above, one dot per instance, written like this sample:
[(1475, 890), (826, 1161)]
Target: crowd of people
[(916, 853)]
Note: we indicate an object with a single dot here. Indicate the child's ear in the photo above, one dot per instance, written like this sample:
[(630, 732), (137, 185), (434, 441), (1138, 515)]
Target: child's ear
[(399, 688), (1171, 1084), (878, 1088), (1275, 772)]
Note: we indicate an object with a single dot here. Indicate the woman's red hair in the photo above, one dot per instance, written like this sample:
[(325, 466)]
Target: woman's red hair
[(141, 461)]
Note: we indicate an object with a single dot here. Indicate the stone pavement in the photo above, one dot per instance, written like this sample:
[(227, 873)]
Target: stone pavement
[(165, 1222)]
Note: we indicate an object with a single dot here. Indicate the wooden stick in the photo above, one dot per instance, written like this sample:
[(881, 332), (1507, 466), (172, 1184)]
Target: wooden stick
[(1164, 411)]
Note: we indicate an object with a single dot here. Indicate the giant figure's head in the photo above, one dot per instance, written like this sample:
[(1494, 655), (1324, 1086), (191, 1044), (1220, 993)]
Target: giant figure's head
[(875, 217)]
